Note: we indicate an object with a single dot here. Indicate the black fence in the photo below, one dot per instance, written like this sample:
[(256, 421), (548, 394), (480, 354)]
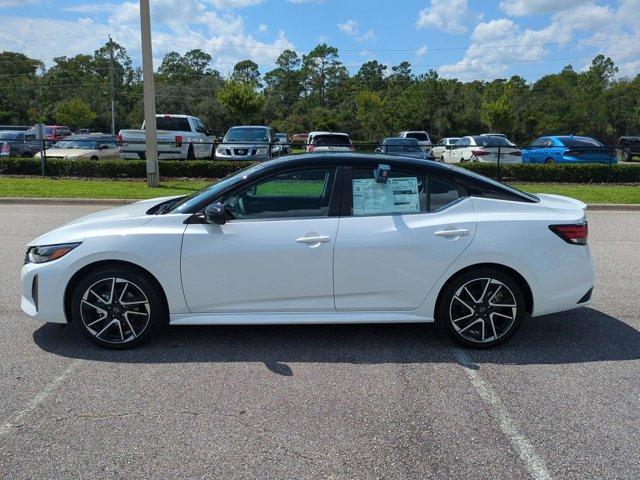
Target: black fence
[(495, 160)]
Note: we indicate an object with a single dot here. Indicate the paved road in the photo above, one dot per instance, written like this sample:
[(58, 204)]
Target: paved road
[(561, 400)]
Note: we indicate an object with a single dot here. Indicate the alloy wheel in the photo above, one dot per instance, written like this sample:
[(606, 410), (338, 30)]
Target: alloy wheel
[(483, 310), (115, 310)]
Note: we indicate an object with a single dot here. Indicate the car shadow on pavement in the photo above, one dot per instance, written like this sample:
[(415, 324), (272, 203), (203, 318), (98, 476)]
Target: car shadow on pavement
[(578, 336)]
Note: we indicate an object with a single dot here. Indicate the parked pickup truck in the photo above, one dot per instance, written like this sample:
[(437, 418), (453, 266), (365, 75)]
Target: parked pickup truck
[(179, 137)]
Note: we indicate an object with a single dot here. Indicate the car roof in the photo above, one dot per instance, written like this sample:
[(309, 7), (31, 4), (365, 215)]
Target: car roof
[(315, 134), (248, 126), (402, 140), (91, 136)]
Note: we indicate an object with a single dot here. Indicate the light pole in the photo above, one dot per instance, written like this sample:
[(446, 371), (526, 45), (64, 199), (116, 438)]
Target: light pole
[(149, 95)]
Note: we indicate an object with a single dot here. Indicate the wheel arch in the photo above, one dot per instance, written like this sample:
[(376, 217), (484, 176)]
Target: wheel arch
[(77, 277), (517, 277)]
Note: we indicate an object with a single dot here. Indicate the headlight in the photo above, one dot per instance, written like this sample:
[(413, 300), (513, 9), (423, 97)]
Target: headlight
[(262, 151), (47, 253)]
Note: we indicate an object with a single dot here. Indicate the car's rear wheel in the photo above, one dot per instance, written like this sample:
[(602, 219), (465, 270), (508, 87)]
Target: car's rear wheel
[(549, 161), (117, 307), (481, 309)]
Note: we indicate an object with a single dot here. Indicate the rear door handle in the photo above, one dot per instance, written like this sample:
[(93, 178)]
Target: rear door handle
[(314, 240), (460, 232)]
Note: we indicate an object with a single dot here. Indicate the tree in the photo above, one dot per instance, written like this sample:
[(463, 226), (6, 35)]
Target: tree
[(247, 72), (371, 112), (240, 100), (185, 69), (75, 113), (322, 70), (371, 76)]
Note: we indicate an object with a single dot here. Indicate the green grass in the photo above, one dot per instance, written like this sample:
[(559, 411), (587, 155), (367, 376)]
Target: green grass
[(587, 193), (31, 187)]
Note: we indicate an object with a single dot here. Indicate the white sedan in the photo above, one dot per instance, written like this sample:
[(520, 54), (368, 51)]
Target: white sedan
[(328, 238), (482, 148), (442, 146)]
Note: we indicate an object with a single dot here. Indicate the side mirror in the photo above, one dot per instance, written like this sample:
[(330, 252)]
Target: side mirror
[(214, 213)]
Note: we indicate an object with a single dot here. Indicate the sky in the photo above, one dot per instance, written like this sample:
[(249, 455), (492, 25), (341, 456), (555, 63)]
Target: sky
[(464, 39)]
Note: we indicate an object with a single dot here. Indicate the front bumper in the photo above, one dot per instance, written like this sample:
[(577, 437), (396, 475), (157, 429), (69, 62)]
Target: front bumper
[(43, 288)]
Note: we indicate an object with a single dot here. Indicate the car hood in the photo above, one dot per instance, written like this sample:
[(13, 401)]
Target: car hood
[(101, 223), (71, 152)]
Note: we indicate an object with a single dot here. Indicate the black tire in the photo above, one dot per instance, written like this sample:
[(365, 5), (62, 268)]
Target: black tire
[(626, 155), (549, 161), (500, 322), (137, 315), (190, 153)]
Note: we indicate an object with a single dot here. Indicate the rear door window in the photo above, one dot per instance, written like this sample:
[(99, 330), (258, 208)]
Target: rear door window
[(404, 193), (331, 140)]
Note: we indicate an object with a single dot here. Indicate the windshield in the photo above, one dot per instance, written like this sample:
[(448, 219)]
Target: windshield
[(80, 144), (246, 135), (186, 204), (575, 142)]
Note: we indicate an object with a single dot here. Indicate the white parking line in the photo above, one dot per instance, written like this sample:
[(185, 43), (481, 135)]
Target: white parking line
[(532, 461), (8, 426)]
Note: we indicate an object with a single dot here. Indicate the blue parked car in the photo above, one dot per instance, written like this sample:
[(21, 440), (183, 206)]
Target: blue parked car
[(567, 149)]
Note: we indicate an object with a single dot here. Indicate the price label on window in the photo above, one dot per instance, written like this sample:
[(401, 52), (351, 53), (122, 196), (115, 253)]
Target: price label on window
[(398, 195)]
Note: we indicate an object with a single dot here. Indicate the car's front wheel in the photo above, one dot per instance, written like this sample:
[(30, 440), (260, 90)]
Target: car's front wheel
[(481, 309), (117, 307)]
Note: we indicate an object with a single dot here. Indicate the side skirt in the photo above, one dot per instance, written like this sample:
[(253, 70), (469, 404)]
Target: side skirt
[(290, 318)]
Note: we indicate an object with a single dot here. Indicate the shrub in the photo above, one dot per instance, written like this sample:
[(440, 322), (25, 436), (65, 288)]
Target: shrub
[(119, 168)]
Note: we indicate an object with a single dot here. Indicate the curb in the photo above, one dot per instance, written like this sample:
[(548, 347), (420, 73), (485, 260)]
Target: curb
[(608, 207), (65, 201), (593, 207)]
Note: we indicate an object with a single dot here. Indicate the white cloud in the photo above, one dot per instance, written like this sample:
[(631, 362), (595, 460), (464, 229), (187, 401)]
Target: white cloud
[(350, 27), (234, 3), (519, 8), (262, 28), (17, 3), (92, 8), (422, 51), (195, 24), (447, 15)]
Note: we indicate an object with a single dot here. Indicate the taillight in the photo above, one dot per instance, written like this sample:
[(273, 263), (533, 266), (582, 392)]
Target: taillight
[(119, 140), (479, 153), (5, 148), (574, 234), (178, 140), (311, 148)]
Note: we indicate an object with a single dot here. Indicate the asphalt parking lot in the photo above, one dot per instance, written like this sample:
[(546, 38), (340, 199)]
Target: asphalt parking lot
[(561, 400)]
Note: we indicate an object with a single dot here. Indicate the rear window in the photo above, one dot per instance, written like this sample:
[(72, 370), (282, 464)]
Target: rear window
[(420, 136), (574, 142), (487, 141), (174, 124), (331, 140)]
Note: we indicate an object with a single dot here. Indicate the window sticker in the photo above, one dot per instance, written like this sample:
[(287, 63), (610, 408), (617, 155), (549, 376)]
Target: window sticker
[(398, 195)]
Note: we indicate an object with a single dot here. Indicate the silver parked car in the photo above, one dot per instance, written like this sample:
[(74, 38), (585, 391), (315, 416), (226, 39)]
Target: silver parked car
[(254, 143)]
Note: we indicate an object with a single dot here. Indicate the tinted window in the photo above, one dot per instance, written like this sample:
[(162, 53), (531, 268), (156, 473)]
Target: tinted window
[(247, 134), (420, 136), (331, 140), (441, 194), (174, 124), (452, 141), (487, 141), (575, 142), (303, 193), (8, 136), (399, 145)]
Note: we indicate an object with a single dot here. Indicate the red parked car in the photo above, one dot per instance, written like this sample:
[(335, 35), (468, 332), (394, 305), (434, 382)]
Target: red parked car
[(54, 133)]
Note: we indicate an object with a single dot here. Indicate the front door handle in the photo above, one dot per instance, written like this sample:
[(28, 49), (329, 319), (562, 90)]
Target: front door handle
[(460, 232), (317, 240)]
